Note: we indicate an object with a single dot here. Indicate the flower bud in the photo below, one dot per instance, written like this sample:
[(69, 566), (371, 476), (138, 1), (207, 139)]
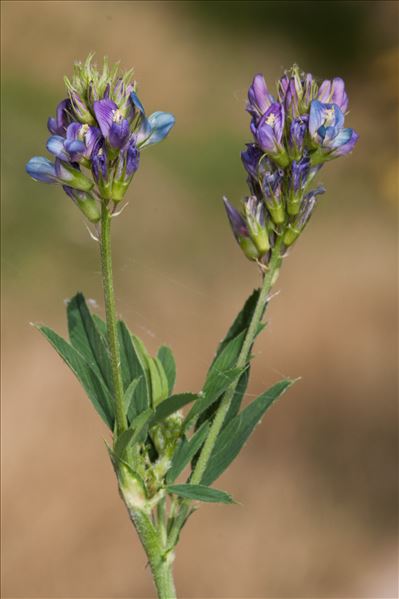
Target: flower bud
[(71, 176), (80, 109), (271, 187), (295, 228), (298, 130), (85, 202), (100, 170), (240, 231), (254, 211), (127, 165)]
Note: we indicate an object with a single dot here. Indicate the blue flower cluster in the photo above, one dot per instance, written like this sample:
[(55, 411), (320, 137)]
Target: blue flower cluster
[(294, 135), (96, 137)]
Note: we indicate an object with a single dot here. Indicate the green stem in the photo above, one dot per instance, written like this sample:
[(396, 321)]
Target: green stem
[(160, 562), (110, 313), (225, 403), (153, 539)]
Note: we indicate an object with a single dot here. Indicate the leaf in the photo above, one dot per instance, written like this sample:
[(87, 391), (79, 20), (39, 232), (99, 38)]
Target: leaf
[(92, 384), (227, 357), (159, 383), (140, 399), (132, 364), (237, 397), (242, 321), (171, 405), (232, 438), (200, 493), (101, 325), (228, 352), (86, 338), (167, 360), (136, 433), (129, 394), (185, 452), (212, 391)]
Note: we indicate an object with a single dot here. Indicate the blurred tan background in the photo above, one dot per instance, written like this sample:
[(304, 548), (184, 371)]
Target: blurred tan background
[(318, 481)]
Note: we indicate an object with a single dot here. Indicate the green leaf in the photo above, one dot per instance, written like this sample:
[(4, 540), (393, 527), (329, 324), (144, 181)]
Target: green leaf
[(158, 380), (140, 399), (185, 452), (86, 338), (167, 360), (200, 493), (133, 364), (228, 352), (227, 357), (101, 325), (92, 384), (129, 394), (235, 434), (136, 433), (214, 388), (237, 397), (171, 405), (242, 321)]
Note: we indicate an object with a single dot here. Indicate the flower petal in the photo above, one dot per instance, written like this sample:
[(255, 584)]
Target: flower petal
[(344, 142), (339, 95), (136, 102), (119, 133), (73, 130), (324, 94), (160, 123), (41, 169), (316, 117), (104, 111), (237, 222), (55, 145)]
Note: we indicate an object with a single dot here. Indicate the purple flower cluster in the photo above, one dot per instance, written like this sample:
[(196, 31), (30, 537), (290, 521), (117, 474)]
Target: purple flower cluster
[(96, 137), (293, 136)]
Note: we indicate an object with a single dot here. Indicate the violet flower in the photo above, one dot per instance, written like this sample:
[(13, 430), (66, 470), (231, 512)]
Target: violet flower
[(326, 129), (63, 117), (101, 126), (269, 132), (334, 92), (259, 98), (251, 159), (292, 138)]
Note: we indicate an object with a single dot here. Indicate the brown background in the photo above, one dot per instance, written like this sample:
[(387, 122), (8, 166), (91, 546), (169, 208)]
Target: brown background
[(318, 481)]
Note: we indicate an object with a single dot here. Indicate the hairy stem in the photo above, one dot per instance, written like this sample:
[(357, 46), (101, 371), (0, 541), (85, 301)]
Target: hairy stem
[(159, 560), (109, 298), (153, 539), (225, 403)]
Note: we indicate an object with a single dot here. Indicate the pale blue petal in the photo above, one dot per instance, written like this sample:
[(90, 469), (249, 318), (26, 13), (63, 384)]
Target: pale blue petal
[(160, 124), (55, 145), (41, 169), (316, 117)]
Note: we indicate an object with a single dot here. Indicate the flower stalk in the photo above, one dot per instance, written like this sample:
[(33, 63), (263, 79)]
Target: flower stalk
[(110, 316)]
